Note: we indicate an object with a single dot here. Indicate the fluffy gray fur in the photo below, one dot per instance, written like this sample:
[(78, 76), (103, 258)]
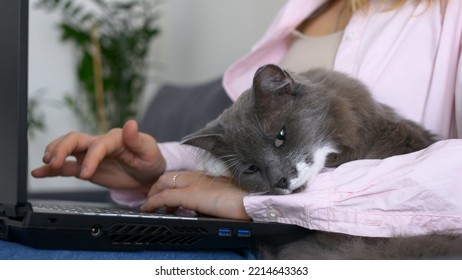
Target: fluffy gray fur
[(326, 117), (333, 246), (287, 126)]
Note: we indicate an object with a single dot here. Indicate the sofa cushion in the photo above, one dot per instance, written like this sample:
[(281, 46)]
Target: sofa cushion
[(178, 111)]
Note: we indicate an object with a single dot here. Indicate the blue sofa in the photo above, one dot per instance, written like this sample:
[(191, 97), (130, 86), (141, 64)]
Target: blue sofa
[(14, 251)]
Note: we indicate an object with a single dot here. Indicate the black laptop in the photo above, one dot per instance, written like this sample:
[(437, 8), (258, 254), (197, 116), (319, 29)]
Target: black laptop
[(89, 226)]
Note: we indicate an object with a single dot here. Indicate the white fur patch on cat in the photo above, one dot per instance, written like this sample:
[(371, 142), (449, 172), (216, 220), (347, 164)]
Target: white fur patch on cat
[(213, 166), (307, 171)]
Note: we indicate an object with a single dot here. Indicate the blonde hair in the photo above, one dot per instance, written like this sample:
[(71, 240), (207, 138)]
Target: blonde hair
[(359, 4)]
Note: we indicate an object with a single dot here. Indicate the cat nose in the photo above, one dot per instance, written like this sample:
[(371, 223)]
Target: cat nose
[(283, 183)]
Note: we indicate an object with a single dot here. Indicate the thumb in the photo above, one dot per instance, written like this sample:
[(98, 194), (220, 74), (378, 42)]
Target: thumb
[(131, 137), (143, 147)]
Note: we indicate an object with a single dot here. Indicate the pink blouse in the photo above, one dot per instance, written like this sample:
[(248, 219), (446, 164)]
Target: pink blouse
[(410, 60)]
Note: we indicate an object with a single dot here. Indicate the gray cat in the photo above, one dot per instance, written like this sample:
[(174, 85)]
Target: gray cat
[(287, 127)]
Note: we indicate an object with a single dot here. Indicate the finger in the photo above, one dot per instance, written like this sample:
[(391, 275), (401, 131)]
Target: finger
[(69, 168), (49, 149), (135, 141), (176, 180), (168, 198), (98, 150), (175, 189), (130, 135), (164, 182), (58, 150)]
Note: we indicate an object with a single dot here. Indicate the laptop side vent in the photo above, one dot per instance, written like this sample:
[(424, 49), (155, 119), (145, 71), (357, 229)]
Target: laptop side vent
[(192, 230), (154, 234)]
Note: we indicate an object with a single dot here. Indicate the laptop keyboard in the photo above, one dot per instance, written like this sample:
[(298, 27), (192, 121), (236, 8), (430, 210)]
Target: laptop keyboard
[(101, 211)]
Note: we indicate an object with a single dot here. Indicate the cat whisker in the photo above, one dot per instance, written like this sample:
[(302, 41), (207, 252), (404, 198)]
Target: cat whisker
[(229, 161)]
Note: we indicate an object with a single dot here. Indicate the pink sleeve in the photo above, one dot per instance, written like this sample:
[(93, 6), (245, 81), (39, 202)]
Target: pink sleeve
[(416, 193), (458, 96), (177, 156)]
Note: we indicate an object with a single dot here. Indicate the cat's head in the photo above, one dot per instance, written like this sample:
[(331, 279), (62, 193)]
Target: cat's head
[(269, 140)]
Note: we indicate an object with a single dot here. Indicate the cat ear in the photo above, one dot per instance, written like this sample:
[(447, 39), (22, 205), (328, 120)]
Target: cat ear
[(204, 138), (270, 81), (274, 97)]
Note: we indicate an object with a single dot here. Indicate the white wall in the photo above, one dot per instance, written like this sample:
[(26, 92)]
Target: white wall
[(199, 40)]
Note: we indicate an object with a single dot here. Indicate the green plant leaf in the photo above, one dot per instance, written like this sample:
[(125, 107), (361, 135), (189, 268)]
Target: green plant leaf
[(124, 45)]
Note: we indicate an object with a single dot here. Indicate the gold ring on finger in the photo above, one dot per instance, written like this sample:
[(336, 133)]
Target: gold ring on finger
[(174, 181)]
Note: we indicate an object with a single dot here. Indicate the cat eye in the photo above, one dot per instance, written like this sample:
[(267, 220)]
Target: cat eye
[(251, 169), (280, 138)]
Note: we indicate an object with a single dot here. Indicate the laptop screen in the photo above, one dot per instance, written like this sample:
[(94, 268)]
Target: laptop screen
[(13, 104)]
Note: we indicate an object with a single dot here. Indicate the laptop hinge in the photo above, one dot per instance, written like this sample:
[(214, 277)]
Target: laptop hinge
[(15, 211)]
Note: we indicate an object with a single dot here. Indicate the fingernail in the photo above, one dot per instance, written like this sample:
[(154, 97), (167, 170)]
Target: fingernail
[(46, 157), (83, 172)]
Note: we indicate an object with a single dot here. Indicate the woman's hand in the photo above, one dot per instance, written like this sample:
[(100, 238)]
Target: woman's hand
[(127, 159), (119, 159), (215, 196)]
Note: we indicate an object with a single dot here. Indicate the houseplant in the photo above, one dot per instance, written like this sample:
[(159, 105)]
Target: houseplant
[(111, 40), (35, 117)]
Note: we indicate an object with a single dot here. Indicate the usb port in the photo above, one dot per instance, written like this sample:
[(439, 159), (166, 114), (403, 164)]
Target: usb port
[(244, 232), (225, 232)]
